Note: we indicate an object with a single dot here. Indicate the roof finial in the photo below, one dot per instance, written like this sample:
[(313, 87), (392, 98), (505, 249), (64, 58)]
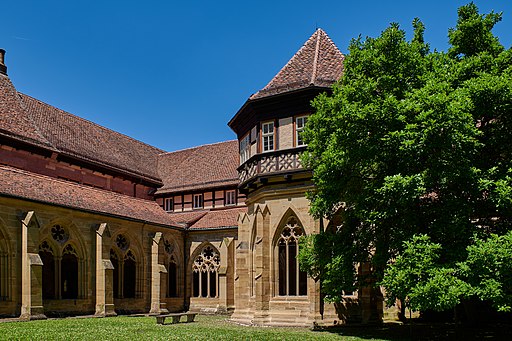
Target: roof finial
[(3, 68)]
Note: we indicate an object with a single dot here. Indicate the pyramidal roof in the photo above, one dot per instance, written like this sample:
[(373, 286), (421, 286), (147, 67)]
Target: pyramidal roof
[(318, 63)]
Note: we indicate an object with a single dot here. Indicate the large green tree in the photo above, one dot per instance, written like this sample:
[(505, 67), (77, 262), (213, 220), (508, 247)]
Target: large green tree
[(411, 142)]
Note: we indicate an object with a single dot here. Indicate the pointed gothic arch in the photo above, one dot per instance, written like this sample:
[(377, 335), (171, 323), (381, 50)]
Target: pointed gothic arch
[(205, 271), (172, 260), (290, 280), (126, 257), (64, 257)]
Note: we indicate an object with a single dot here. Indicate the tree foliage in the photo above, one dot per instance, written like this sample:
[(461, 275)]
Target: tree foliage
[(413, 142)]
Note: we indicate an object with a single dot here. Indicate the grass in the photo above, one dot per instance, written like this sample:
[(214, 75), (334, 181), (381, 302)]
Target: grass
[(218, 328), (145, 328)]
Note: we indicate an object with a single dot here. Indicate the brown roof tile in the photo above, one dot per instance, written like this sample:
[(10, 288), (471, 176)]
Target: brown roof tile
[(219, 218), (26, 185), (317, 63), (14, 120), (188, 218), (207, 166), (91, 142)]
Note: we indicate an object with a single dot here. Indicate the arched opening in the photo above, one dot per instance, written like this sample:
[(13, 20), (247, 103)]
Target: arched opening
[(205, 276), (69, 273), (292, 281), (4, 268), (172, 276), (115, 262), (48, 281), (129, 272)]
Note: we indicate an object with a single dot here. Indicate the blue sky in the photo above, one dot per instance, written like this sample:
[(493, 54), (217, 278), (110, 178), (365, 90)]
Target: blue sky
[(172, 73)]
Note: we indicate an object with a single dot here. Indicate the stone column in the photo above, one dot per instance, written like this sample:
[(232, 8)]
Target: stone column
[(104, 274), (222, 288), (263, 252), (242, 278), (155, 274), (31, 270), (316, 305)]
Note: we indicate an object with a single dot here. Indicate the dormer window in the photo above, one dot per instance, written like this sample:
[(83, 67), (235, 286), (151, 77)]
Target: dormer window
[(230, 198), (169, 204), (245, 146), (267, 136), (198, 201), (300, 123)]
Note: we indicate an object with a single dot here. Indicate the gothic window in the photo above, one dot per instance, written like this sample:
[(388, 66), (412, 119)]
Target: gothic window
[(172, 274), (130, 268), (47, 257), (69, 273), (205, 273), (172, 270), (125, 268), (292, 281)]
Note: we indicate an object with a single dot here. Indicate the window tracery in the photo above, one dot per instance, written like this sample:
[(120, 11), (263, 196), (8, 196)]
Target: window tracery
[(292, 281), (205, 273), (59, 234), (122, 242)]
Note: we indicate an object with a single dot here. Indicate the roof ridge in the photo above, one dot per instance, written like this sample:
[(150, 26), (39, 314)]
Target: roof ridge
[(196, 147), (69, 183), (93, 123), (315, 60)]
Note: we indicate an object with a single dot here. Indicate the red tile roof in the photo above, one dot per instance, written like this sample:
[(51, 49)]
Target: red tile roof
[(15, 122), (317, 63), (207, 166), (88, 141), (26, 185), (219, 219), (188, 218)]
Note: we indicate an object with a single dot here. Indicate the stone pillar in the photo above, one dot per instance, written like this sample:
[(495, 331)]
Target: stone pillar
[(223, 289), (155, 274), (104, 274), (316, 305), (242, 281), (31, 270), (263, 252)]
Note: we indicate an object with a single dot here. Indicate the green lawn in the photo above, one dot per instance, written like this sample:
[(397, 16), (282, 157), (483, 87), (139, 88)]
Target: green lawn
[(218, 328), (145, 328)]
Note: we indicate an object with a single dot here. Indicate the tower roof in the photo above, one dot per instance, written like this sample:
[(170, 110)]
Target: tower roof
[(317, 63)]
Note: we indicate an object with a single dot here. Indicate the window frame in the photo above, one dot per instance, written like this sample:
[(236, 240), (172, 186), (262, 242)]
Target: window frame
[(195, 205), (268, 135), (245, 148), (227, 196), (169, 204), (298, 130)]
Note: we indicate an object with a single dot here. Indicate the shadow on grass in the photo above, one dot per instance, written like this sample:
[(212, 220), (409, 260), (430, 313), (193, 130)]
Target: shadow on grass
[(438, 331)]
